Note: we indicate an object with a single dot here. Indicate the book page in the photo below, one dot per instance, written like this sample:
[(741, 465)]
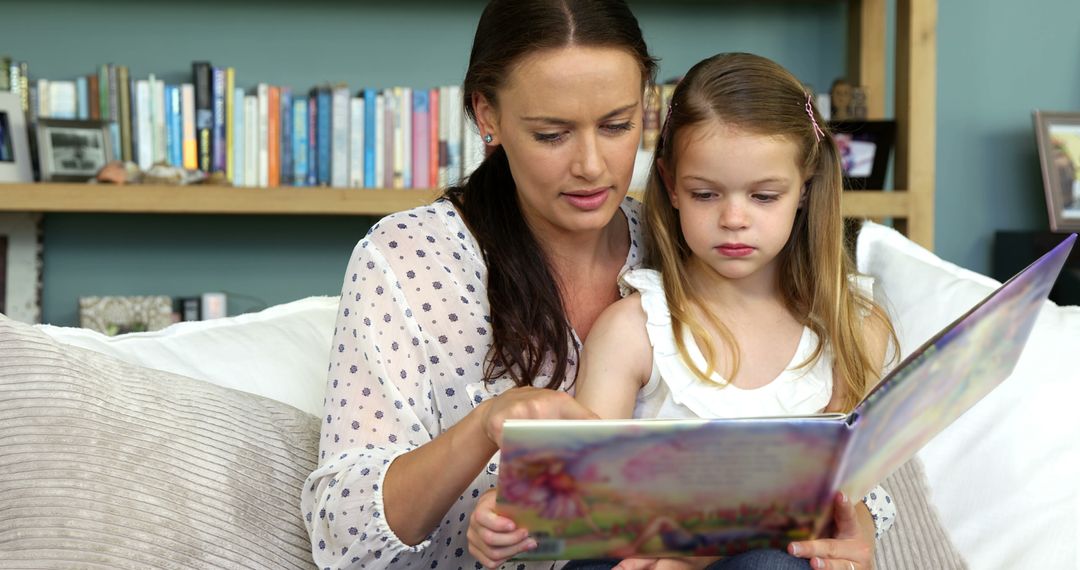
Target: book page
[(716, 487), (946, 377)]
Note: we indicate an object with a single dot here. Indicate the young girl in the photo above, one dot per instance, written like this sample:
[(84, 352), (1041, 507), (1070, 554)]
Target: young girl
[(751, 306)]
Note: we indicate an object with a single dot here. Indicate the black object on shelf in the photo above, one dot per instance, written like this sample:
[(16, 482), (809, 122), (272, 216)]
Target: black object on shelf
[(1015, 250)]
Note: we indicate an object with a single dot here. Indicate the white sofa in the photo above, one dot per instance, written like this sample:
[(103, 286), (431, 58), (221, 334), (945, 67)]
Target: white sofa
[(106, 460)]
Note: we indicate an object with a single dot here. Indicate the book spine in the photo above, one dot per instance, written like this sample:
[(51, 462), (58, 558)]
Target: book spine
[(300, 141), (161, 140), (82, 107), (356, 142), (369, 138), (103, 93), (650, 119), (339, 139), (42, 105), (273, 136), (238, 137), (444, 131), (453, 135), (380, 140), (285, 117), (405, 112), (312, 139), (94, 96), (114, 95), (176, 126), (145, 125), (189, 145), (397, 125), (217, 94), (420, 140), (229, 123), (204, 113), (123, 79), (325, 115), (263, 166), (170, 146), (433, 138), (251, 144)]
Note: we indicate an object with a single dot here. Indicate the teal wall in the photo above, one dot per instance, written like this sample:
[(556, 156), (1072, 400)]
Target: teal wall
[(997, 61)]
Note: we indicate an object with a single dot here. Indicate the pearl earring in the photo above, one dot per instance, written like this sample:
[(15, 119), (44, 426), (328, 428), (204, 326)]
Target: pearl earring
[(488, 138)]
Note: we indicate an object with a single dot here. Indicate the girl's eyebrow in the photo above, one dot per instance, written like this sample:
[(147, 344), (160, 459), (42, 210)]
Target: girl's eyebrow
[(558, 121), (695, 178)]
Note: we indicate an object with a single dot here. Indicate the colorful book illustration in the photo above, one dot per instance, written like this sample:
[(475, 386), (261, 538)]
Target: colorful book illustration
[(716, 487)]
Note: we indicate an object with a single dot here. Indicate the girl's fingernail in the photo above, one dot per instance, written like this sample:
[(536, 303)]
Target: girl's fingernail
[(819, 563), (794, 549), (530, 545)]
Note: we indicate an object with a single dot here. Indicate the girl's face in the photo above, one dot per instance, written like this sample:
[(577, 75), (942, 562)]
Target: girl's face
[(737, 195), (570, 122)]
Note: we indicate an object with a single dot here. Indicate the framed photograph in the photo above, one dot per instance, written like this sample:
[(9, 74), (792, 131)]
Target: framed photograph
[(72, 151), (1058, 137), (865, 148), (20, 266), (15, 160)]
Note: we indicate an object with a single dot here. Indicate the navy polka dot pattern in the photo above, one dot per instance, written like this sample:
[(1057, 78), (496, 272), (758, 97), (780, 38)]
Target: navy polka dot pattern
[(406, 364)]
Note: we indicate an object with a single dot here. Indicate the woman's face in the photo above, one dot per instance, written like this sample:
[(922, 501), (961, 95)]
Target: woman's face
[(570, 122)]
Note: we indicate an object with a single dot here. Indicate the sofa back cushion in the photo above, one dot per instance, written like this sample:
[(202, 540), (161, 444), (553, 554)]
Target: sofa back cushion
[(112, 465)]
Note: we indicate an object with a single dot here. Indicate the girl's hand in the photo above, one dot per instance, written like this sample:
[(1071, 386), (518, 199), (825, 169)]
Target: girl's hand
[(852, 547), (492, 538), (528, 402)]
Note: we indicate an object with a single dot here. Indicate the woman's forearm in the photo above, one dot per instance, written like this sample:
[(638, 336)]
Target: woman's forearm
[(420, 486)]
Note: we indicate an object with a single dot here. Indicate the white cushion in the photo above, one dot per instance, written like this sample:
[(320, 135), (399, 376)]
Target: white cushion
[(279, 353), (1004, 475)]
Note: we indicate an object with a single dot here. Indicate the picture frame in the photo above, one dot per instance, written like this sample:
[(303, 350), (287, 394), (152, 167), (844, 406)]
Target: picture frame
[(20, 272), (115, 315), (865, 148), (1057, 135), (73, 150), (16, 162)]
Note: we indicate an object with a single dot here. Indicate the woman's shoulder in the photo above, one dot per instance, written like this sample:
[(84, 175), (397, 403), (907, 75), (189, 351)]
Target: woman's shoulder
[(414, 231)]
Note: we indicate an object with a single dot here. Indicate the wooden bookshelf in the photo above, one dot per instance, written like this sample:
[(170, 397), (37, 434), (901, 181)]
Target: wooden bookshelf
[(152, 199)]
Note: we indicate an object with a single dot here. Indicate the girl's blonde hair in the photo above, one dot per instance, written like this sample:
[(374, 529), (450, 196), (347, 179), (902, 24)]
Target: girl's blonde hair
[(756, 95)]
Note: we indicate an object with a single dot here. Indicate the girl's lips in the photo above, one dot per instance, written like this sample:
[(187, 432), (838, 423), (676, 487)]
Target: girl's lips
[(735, 250), (590, 201)]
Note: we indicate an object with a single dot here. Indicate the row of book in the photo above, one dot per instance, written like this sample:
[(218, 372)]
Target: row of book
[(398, 137), (330, 135)]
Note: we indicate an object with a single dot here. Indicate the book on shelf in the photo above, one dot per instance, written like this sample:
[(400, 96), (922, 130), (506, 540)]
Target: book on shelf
[(717, 487), (204, 113)]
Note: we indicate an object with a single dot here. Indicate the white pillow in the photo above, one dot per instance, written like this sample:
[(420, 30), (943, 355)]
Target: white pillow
[(1004, 476), (280, 352)]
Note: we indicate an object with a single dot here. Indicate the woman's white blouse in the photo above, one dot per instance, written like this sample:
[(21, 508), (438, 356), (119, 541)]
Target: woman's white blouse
[(407, 362)]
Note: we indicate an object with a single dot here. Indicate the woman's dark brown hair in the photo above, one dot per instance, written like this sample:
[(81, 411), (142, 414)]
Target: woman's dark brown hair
[(528, 319)]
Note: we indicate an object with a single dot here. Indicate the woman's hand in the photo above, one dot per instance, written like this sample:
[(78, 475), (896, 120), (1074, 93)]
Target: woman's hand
[(492, 538), (528, 402), (851, 548)]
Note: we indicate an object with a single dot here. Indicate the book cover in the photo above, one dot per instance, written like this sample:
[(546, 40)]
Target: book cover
[(716, 487)]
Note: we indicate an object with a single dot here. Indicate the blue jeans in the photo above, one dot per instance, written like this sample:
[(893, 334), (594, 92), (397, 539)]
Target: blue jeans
[(764, 559)]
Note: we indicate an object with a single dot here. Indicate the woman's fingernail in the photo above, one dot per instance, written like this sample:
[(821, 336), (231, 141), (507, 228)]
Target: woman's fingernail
[(794, 549), (819, 563), (530, 545)]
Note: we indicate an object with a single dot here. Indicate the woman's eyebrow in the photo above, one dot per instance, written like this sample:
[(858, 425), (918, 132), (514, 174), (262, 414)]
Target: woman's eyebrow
[(559, 121)]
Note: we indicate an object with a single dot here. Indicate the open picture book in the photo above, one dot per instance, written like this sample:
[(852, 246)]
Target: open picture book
[(717, 487)]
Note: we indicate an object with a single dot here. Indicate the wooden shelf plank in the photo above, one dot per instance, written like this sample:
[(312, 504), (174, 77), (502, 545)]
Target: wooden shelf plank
[(147, 199), (150, 199)]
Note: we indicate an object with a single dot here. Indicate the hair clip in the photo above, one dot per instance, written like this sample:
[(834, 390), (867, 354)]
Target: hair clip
[(818, 133)]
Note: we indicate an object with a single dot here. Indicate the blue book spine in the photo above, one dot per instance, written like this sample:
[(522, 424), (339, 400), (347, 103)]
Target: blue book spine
[(300, 141), (286, 161), (176, 126), (313, 158), (323, 133), (82, 92), (238, 138), (369, 139), (217, 98)]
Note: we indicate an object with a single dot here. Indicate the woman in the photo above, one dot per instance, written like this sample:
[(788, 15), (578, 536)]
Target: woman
[(490, 290)]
